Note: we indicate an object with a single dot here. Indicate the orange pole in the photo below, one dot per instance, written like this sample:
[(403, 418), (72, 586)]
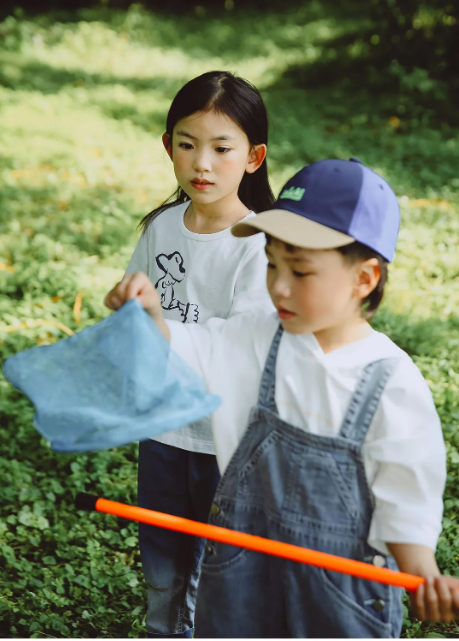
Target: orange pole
[(251, 542)]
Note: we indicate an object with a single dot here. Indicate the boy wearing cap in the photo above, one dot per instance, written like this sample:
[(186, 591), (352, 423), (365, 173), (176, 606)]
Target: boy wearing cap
[(327, 436)]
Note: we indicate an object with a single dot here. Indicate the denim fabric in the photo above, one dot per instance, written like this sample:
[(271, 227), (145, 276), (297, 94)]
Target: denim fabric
[(181, 483), (289, 485)]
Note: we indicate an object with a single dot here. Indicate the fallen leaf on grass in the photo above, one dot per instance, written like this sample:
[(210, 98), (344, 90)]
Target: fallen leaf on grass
[(77, 307), (36, 323), (422, 203), (7, 268)]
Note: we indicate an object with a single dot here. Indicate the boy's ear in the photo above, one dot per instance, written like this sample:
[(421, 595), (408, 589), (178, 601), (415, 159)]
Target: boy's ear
[(256, 157), (167, 142), (368, 277)]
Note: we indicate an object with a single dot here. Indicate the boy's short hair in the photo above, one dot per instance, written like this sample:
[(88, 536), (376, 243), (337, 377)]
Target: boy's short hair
[(352, 253)]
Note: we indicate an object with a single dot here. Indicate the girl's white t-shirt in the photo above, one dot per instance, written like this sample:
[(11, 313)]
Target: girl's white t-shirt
[(201, 277), (404, 453)]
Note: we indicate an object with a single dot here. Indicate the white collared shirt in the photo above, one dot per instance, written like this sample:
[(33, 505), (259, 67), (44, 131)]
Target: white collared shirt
[(404, 453)]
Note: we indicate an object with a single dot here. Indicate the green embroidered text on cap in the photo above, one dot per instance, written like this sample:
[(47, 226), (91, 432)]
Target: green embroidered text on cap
[(293, 193)]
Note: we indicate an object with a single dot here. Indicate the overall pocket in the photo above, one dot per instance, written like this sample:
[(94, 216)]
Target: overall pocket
[(322, 491), (363, 608), (221, 556)]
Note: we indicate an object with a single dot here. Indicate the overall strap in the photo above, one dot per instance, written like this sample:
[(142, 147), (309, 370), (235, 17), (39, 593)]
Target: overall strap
[(366, 397), (267, 394)]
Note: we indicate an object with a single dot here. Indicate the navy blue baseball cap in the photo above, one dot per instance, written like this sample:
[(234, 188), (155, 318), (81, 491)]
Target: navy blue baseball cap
[(329, 204)]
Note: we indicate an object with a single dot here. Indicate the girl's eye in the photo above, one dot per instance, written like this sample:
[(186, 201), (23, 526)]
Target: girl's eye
[(271, 266), (185, 145), (223, 150), (301, 274)]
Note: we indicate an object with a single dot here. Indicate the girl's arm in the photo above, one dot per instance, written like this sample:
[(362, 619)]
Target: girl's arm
[(438, 599), (140, 287)]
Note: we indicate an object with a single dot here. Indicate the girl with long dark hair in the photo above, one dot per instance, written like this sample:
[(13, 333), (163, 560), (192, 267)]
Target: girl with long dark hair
[(216, 135)]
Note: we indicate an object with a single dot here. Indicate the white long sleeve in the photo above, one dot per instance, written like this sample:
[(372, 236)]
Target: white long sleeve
[(404, 452)]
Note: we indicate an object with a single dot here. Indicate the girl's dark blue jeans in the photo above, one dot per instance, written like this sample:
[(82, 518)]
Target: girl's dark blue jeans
[(181, 483)]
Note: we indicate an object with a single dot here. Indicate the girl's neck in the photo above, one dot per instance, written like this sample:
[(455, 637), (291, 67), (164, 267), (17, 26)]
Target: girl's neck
[(215, 217)]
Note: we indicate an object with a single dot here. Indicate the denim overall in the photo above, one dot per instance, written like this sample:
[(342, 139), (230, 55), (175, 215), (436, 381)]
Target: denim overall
[(288, 485)]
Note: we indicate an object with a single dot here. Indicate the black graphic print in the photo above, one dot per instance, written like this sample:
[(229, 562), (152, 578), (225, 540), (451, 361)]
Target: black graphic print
[(174, 272)]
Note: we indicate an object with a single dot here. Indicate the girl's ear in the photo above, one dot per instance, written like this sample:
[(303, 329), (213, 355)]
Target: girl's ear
[(256, 157), (368, 276), (167, 142)]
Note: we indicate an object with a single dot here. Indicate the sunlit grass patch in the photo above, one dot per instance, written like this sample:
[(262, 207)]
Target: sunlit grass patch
[(83, 105)]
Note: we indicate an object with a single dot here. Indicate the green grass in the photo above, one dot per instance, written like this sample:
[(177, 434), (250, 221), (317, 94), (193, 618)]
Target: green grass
[(82, 109)]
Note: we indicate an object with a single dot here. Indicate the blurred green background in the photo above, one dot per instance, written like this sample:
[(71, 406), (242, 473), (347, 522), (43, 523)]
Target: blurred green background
[(84, 91)]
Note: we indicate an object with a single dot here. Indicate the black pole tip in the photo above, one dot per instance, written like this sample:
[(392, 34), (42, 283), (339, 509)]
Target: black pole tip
[(85, 501)]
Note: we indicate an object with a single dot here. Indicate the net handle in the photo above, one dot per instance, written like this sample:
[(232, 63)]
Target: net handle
[(249, 541)]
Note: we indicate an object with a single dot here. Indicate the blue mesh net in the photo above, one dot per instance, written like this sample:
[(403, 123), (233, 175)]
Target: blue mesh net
[(113, 383)]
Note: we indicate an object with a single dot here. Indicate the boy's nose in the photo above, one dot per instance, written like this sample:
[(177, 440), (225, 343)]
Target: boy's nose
[(280, 288)]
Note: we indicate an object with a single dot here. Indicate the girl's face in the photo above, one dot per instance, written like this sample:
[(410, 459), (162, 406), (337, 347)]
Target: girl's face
[(317, 290), (210, 153)]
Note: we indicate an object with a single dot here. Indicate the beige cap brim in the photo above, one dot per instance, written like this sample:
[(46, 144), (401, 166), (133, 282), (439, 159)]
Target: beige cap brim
[(292, 229)]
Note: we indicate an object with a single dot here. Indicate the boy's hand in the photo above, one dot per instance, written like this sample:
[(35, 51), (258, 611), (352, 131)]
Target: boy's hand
[(437, 600)]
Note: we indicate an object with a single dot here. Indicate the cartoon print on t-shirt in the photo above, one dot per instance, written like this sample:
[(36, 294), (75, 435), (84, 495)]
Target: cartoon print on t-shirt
[(174, 272)]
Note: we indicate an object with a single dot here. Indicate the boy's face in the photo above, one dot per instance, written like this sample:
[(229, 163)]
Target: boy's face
[(314, 290)]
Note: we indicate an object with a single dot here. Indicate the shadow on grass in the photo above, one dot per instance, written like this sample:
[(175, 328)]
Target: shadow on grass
[(247, 31), (318, 112), (37, 76), (337, 106), (67, 10), (352, 67), (346, 60), (150, 121)]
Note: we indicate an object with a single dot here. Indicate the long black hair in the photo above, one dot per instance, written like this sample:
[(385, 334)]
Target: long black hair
[(225, 93)]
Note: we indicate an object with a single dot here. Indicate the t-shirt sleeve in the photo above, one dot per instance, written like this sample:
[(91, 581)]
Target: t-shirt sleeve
[(229, 356), (193, 343), (140, 259), (408, 449), (250, 292)]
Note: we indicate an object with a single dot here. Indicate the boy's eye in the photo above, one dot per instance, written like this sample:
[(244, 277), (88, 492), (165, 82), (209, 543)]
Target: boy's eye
[(223, 150), (271, 266), (301, 274)]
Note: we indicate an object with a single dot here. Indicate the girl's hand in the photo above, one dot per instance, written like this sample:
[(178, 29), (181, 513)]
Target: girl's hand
[(137, 286), (437, 600)]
